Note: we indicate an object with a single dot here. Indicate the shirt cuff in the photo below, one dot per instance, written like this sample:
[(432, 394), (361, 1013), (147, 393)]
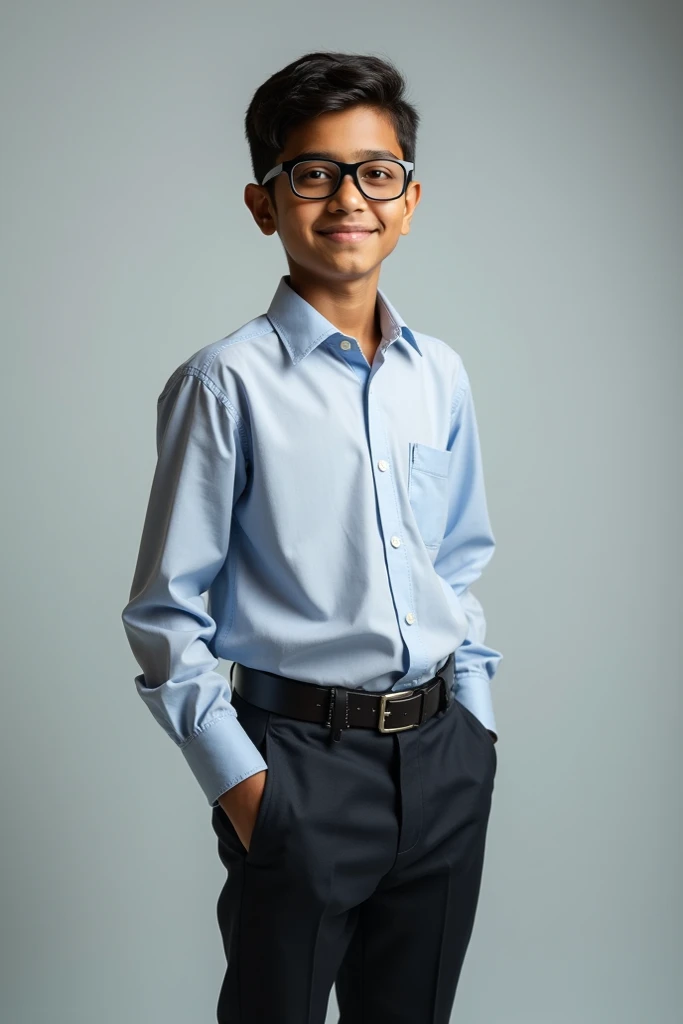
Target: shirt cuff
[(473, 690), (221, 755)]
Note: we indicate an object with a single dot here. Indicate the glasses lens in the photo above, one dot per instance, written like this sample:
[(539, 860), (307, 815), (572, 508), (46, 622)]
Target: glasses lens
[(315, 178), (379, 179)]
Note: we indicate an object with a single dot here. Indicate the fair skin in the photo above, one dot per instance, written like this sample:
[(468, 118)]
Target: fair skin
[(339, 279)]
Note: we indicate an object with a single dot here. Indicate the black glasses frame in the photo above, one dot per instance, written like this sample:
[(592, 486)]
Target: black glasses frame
[(287, 167)]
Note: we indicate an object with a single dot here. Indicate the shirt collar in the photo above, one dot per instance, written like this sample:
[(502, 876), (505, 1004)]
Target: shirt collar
[(302, 328)]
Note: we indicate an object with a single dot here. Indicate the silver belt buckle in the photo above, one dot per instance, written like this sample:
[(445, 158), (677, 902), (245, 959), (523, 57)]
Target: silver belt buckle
[(383, 709)]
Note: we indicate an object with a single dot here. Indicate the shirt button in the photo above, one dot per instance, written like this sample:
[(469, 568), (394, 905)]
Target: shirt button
[(395, 541), (345, 344), (383, 465), (410, 618)]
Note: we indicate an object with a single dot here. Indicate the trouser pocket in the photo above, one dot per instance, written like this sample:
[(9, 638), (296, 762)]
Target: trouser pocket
[(255, 721)]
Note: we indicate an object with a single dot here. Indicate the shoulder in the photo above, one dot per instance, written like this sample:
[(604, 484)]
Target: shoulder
[(443, 359), (220, 364)]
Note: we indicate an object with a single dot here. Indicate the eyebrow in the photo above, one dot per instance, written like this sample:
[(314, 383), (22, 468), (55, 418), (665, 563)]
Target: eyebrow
[(360, 154)]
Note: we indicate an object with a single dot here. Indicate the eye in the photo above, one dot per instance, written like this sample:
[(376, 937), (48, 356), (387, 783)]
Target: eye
[(314, 170)]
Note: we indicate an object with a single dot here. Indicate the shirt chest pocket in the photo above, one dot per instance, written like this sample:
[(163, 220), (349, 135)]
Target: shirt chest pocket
[(428, 491)]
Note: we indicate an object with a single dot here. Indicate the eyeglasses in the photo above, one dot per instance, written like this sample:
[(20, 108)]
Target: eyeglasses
[(382, 180)]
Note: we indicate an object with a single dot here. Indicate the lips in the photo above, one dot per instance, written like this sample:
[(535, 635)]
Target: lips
[(348, 234)]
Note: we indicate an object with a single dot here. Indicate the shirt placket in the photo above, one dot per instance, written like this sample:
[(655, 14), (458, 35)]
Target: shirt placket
[(383, 470)]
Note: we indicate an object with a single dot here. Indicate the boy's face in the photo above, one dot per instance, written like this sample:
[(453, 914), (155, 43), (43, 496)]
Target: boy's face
[(299, 222)]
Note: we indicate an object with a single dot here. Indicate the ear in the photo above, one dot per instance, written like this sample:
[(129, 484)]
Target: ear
[(262, 207), (413, 195)]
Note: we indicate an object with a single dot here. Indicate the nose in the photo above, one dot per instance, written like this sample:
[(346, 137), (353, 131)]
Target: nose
[(348, 192)]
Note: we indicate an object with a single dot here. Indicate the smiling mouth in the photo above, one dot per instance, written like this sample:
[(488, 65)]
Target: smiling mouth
[(346, 236)]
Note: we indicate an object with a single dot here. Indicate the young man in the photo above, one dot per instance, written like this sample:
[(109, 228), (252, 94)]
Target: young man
[(319, 474)]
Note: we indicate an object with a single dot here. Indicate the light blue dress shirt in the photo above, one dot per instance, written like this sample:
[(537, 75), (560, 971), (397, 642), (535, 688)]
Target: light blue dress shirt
[(334, 513)]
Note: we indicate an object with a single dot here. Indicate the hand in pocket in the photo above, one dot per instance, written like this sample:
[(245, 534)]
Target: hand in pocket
[(241, 803)]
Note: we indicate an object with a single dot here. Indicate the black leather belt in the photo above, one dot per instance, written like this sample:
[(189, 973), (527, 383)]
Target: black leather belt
[(339, 707)]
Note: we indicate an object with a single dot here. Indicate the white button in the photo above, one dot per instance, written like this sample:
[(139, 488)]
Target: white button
[(395, 541), (383, 465), (345, 344), (410, 618)]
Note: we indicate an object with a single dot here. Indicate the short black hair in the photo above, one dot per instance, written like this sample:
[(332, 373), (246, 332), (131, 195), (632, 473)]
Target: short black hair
[(319, 82)]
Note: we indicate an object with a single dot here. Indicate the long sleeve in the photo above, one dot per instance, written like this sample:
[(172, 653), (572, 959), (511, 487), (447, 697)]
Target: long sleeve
[(200, 472), (465, 550)]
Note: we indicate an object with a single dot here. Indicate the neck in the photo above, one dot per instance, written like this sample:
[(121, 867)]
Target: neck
[(350, 305)]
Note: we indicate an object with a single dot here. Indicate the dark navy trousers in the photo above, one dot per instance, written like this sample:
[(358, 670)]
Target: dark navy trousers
[(363, 872)]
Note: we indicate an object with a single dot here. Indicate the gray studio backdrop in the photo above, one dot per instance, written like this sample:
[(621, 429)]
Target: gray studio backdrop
[(548, 251)]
